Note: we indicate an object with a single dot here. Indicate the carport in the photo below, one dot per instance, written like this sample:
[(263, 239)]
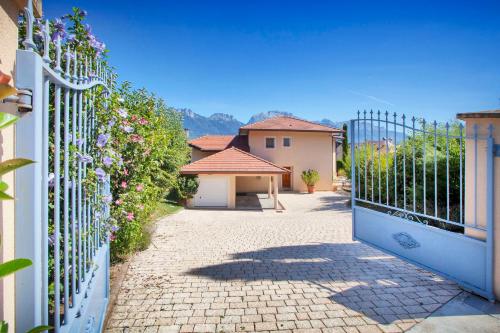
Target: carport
[(217, 177)]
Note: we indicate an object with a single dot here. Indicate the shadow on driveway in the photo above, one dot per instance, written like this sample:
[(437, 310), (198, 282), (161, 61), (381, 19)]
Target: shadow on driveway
[(360, 278)]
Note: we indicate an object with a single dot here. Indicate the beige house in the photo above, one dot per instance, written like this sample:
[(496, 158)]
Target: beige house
[(291, 145)]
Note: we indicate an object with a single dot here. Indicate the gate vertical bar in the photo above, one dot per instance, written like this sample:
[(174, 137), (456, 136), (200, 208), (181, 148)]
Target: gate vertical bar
[(28, 187)]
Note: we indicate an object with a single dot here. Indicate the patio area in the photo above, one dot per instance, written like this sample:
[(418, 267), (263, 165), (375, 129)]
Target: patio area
[(255, 201), (259, 270)]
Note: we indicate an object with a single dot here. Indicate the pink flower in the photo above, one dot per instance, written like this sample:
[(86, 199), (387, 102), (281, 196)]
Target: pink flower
[(133, 118), (124, 184), (136, 138), (141, 207), (130, 216), (118, 202), (143, 121), (139, 188), (125, 172)]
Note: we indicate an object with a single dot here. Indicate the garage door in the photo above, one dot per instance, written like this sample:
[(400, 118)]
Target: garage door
[(212, 191)]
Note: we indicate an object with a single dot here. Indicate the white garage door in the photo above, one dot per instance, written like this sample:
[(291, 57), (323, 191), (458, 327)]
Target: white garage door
[(212, 191)]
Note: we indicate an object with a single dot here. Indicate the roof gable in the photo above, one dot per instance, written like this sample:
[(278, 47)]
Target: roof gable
[(220, 142), (286, 123), (230, 161)]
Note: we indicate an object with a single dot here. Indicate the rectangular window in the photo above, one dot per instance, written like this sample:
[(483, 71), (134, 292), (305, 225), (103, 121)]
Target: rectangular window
[(269, 142), (287, 142)]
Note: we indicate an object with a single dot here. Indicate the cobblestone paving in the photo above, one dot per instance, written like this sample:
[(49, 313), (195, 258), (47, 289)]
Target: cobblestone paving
[(296, 271)]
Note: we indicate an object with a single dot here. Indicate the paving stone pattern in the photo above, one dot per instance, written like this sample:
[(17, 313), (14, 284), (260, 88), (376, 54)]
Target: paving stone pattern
[(264, 271)]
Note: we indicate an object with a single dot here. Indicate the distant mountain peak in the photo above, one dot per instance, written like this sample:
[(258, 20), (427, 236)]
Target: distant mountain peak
[(222, 116), (268, 114)]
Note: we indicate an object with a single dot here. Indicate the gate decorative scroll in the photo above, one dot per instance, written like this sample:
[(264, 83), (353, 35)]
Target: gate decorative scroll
[(409, 183), (61, 219)]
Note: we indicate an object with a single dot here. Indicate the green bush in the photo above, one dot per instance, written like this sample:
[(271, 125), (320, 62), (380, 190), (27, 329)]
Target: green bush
[(186, 188), (310, 177)]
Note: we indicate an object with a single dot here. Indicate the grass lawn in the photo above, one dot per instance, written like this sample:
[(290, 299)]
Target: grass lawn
[(165, 208)]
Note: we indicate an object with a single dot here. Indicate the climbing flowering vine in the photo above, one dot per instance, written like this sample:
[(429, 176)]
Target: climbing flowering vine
[(139, 144)]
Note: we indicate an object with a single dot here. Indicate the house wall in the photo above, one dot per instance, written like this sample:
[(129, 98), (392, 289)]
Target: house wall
[(9, 10), (309, 150), (197, 154), (479, 196), (252, 184), (8, 28)]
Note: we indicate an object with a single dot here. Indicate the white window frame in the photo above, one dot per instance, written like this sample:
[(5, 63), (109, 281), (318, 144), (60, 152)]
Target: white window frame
[(265, 142), (283, 142)]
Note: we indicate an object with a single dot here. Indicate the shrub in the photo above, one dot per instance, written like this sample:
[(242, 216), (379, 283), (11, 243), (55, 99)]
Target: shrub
[(186, 188), (310, 177)]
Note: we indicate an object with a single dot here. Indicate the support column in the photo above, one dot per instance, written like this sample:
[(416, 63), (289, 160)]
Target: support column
[(275, 192), (270, 187), (482, 186)]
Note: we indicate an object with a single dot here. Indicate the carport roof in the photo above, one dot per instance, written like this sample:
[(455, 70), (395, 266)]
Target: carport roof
[(232, 161)]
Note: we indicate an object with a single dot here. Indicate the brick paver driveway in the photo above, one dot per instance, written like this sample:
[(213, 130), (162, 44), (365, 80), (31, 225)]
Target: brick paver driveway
[(226, 271)]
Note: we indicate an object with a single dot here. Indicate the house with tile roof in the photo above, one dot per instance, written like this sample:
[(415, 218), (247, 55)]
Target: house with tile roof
[(265, 157)]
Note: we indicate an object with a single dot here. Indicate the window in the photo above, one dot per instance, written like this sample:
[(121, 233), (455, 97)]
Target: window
[(269, 142), (287, 142)]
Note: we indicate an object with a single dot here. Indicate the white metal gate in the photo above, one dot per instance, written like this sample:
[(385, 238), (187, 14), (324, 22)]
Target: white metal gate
[(61, 218), (408, 195)]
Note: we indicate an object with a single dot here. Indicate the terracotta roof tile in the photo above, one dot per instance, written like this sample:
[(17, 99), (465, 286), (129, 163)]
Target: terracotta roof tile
[(220, 142), (284, 123), (231, 161)]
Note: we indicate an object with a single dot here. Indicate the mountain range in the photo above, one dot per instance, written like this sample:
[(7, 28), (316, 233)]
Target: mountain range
[(225, 124)]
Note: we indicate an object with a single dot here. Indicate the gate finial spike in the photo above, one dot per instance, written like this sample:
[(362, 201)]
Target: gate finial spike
[(80, 77), (58, 68), (46, 43), (28, 42), (75, 66), (67, 56), (378, 113), (86, 70)]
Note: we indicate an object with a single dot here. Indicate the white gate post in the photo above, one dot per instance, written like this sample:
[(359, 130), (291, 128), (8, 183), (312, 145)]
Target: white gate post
[(483, 178), (28, 224)]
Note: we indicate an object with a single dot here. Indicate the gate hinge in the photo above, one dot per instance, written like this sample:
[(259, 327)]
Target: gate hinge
[(23, 99)]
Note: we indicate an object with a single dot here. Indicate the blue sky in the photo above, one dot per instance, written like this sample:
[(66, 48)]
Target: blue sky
[(317, 59)]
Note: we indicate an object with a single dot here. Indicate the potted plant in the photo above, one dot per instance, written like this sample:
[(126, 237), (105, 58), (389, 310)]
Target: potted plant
[(310, 178)]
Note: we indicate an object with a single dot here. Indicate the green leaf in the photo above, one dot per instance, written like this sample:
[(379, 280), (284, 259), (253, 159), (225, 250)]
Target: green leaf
[(7, 119), (13, 164), (3, 186), (4, 327), (12, 266), (5, 196), (41, 328)]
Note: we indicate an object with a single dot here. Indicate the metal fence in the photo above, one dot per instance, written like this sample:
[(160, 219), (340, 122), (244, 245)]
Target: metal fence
[(421, 175), (413, 167), (61, 216)]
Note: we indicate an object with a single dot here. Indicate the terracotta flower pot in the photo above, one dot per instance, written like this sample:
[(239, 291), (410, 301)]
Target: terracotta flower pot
[(310, 189)]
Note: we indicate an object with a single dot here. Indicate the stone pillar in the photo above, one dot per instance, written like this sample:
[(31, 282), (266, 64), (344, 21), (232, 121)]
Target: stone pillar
[(476, 187), (270, 187), (275, 192)]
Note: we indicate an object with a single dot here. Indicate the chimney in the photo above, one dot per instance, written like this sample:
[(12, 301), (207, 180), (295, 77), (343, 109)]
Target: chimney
[(186, 131)]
